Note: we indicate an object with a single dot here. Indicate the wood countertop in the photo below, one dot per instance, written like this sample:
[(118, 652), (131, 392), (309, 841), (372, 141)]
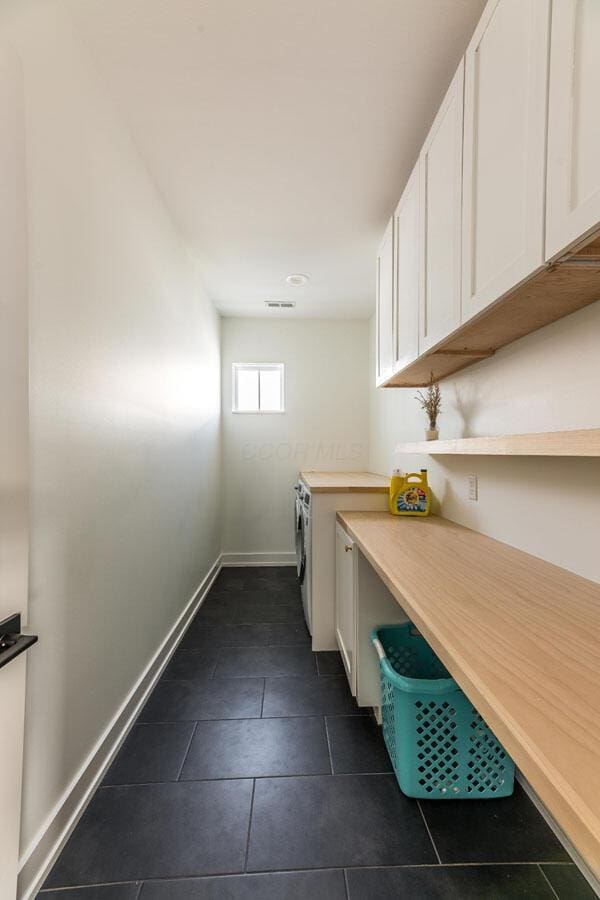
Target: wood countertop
[(520, 636), (341, 482)]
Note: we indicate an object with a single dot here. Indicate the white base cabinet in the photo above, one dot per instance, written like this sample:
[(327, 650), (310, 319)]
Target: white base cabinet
[(345, 602), (362, 603), (323, 559)]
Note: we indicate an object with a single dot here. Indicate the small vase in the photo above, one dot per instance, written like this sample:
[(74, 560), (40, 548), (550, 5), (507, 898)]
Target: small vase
[(432, 434)]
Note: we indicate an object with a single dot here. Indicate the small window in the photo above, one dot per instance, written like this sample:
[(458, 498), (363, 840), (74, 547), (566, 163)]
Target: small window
[(258, 388)]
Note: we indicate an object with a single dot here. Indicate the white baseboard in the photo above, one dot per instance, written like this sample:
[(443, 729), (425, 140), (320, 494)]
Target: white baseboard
[(41, 854), (560, 834), (258, 559)]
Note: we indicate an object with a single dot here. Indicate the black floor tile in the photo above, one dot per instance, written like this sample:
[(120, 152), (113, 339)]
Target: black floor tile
[(357, 745), (276, 593), (216, 611), (329, 662), (287, 635), (151, 753), (328, 696), (158, 831), (323, 885), (506, 830), (347, 820), (449, 883), (251, 636), (284, 613), (248, 608), (277, 588), (229, 579), (188, 665), (97, 892), (208, 637), (221, 698), (246, 748), (568, 882), (263, 661)]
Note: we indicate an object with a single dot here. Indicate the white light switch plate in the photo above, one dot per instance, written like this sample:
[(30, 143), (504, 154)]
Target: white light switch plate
[(473, 490)]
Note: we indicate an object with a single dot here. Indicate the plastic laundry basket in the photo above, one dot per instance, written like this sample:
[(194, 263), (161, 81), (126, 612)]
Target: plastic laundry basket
[(439, 745)]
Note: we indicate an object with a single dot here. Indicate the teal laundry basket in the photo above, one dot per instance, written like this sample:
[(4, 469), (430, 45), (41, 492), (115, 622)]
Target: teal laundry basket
[(439, 745)]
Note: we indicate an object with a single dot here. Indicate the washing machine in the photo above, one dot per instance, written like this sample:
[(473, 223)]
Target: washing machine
[(302, 528)]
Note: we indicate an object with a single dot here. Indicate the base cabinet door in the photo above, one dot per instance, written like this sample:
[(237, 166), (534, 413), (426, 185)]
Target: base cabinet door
[(506, 76), (573, 176), (440, 246), (345, 602)]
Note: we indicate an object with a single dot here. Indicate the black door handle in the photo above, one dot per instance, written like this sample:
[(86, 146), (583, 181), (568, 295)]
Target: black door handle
[(12, 642)]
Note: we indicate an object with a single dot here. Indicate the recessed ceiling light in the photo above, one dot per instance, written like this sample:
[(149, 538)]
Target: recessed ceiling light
[(297, 278)]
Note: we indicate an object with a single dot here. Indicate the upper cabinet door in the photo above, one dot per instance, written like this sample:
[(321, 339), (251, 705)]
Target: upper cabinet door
[(407, 262), (573, 190), (440, 190), (385, 305), (506, 69)]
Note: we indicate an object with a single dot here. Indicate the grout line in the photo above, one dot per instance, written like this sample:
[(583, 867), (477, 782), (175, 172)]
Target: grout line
[(186, 754), (217, 661), (328, 745), (346, 884), (433, 866), (304, 715), (249, 826), (262, 702), (439, 859), (79, 887), (133, 784), (547, 880)]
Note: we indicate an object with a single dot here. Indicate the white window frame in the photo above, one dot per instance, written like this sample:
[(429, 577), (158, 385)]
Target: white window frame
[(236, 367)]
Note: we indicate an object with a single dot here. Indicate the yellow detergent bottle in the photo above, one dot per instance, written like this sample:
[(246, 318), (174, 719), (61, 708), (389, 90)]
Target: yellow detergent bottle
[(396, 483), (412, 497)]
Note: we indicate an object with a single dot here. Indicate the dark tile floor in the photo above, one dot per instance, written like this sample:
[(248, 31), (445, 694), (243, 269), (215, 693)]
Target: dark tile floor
[(252, 775)]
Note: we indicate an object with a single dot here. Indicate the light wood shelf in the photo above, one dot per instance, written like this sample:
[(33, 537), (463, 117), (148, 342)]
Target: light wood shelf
[(521, 638), (558, 289), (345, 482), (582, 442)]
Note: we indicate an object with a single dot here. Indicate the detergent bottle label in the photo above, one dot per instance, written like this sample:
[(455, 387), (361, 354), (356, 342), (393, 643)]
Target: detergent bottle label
[(413, 499)]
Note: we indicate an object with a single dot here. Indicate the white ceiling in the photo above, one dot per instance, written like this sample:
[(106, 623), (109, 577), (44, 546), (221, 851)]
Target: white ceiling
[(280, 132)]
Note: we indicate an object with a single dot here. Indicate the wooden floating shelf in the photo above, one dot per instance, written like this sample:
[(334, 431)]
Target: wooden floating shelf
[(584, 442), (561, 288)]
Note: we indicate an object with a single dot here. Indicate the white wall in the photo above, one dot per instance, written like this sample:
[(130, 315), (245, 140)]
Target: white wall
[(324, 426), (547, 381), (125, 407)]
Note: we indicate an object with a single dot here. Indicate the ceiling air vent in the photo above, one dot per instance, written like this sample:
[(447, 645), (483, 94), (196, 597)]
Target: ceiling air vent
[(280, 304)]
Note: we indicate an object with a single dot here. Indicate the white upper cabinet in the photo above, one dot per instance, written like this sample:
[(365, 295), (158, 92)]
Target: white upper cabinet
[(407, 262), (506, 75), (385, 304), (573, 187), (440, 200)]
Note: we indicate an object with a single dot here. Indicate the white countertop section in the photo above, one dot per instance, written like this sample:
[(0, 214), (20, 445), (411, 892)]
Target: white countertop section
[(342, 482)]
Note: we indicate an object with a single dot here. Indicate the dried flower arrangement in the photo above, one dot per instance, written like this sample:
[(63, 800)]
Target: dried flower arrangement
[(431, 402)]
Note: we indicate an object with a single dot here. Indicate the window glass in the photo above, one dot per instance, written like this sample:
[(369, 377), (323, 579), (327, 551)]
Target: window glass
[(258, 388)]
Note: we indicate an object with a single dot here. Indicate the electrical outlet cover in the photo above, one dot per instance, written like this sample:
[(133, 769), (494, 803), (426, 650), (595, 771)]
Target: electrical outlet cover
[(473, 488)]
